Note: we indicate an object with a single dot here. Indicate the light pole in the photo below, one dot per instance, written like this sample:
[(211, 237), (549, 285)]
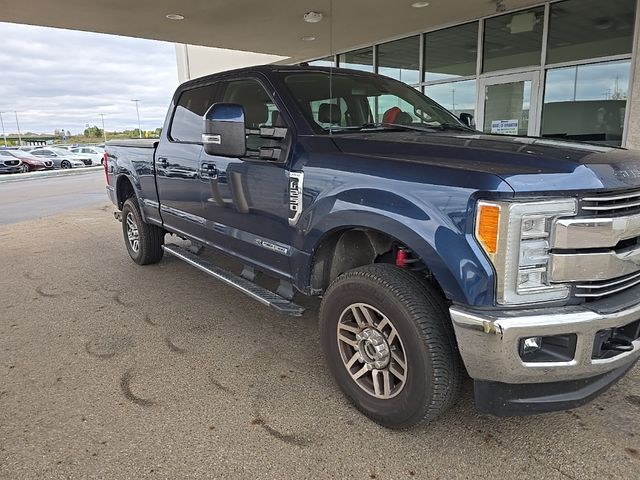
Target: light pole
[(104, 132), (138, 113), (18, 125), (4, 135)]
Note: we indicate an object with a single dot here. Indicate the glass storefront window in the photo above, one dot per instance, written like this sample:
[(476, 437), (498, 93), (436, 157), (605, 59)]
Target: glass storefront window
[(587, 102), (457, 97), (513, 40), (581, 29), (451, 53), (323, 62), (400, 59), (357, 60)]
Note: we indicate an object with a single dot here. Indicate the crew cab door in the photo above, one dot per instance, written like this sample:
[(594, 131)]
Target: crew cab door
[(247, 204), (177, 164)]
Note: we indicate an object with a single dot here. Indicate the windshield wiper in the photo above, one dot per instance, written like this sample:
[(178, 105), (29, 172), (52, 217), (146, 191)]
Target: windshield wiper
[(393, 126), (390, 127), (453, 126)]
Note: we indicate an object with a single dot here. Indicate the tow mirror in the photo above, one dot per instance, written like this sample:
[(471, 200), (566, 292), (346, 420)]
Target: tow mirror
[(224, 130), (468, 120)]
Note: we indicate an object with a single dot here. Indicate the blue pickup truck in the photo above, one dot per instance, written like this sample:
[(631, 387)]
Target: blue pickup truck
[(437, 250)]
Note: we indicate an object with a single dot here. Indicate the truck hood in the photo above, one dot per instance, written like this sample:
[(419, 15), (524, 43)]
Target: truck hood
[(527, 164)]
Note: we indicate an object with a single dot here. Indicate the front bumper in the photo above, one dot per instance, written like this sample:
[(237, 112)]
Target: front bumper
[(489, 342), (508, 399), (11, 169)]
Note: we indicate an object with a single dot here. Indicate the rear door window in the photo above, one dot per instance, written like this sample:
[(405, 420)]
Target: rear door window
[(186, 125)]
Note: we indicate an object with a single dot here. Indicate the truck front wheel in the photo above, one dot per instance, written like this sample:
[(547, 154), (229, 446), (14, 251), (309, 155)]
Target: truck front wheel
[(144, 242), (390, 345)]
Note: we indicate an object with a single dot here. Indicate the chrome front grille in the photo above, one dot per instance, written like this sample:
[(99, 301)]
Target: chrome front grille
[(11, 163), (612, 203), (595, 290), (598, 251)]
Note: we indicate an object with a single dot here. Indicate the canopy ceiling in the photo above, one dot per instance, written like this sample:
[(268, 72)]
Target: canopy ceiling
[(274, 26)]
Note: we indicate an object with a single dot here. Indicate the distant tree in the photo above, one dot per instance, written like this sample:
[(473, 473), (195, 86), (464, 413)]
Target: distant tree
[(92, 132)]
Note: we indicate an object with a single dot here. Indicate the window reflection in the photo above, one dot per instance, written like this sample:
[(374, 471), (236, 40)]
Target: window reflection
[(514, 40), (323, 62), (581, 29), (457, 97), (400, 59), (451, 53), (587, 102), (357, 60)]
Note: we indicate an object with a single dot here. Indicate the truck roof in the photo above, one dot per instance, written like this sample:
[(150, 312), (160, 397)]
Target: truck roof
[(271, 68)]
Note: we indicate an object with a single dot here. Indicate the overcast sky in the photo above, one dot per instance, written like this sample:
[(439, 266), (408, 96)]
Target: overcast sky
[(64, 79)]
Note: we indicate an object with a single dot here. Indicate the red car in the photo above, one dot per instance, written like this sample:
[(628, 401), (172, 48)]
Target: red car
[(31, 163)]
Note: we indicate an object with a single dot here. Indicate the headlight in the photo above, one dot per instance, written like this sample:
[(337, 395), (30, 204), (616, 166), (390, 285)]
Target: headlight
[(515, 237)]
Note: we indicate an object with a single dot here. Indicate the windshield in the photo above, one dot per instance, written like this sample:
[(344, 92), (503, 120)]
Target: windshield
[(354, 102)]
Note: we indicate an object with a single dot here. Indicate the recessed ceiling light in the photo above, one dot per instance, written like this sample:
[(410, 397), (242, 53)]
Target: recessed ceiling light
[(175, 16), (420, 4), (308, 39), (312, 17)]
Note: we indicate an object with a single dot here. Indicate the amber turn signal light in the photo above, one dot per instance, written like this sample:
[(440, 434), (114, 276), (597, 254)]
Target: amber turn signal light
[(487, 225)]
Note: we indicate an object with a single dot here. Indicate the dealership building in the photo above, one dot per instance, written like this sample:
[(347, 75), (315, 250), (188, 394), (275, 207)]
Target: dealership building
[(561, 69)]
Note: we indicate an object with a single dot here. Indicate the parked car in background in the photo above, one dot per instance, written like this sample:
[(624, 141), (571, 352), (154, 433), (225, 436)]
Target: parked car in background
[(31, 163), (95, 153), (61, 158), (9, 163)]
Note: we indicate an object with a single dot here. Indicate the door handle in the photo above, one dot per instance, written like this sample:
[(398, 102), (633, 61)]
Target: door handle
[(208, 170)]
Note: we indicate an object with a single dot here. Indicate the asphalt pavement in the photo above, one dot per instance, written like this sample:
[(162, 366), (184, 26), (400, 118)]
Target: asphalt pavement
[(109, 370), (32, 195)]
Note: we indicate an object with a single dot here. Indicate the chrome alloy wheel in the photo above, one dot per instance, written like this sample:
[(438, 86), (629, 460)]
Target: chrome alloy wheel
[(132, 232), (372, 351)]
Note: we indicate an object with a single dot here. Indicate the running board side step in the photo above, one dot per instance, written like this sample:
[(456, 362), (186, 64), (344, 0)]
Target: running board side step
[(264, 296)]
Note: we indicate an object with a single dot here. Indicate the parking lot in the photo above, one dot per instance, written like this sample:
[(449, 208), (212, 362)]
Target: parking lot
[(111, 370)]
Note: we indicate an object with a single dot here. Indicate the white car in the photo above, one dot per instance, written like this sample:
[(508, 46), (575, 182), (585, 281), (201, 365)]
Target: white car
[(96, 154), (61, 158)]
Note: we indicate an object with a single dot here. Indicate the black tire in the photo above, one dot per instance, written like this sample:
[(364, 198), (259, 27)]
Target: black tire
[(65, 164), (421, 318), (150, 237), (25, 168)]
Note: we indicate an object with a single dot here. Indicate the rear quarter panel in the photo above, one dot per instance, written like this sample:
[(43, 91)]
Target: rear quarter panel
[(133, 161)]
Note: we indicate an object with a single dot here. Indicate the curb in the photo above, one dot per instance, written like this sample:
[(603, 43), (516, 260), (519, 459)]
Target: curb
[(22, 177)]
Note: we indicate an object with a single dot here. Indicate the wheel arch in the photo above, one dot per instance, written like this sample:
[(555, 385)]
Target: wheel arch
[(346, 247), (447, 255), (124, 190)]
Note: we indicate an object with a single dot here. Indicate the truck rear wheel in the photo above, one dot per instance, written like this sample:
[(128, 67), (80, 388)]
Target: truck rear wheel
[(390, 345), (144, 242)]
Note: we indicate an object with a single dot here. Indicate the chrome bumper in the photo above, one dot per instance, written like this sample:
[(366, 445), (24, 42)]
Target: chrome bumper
[(489, 342)]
